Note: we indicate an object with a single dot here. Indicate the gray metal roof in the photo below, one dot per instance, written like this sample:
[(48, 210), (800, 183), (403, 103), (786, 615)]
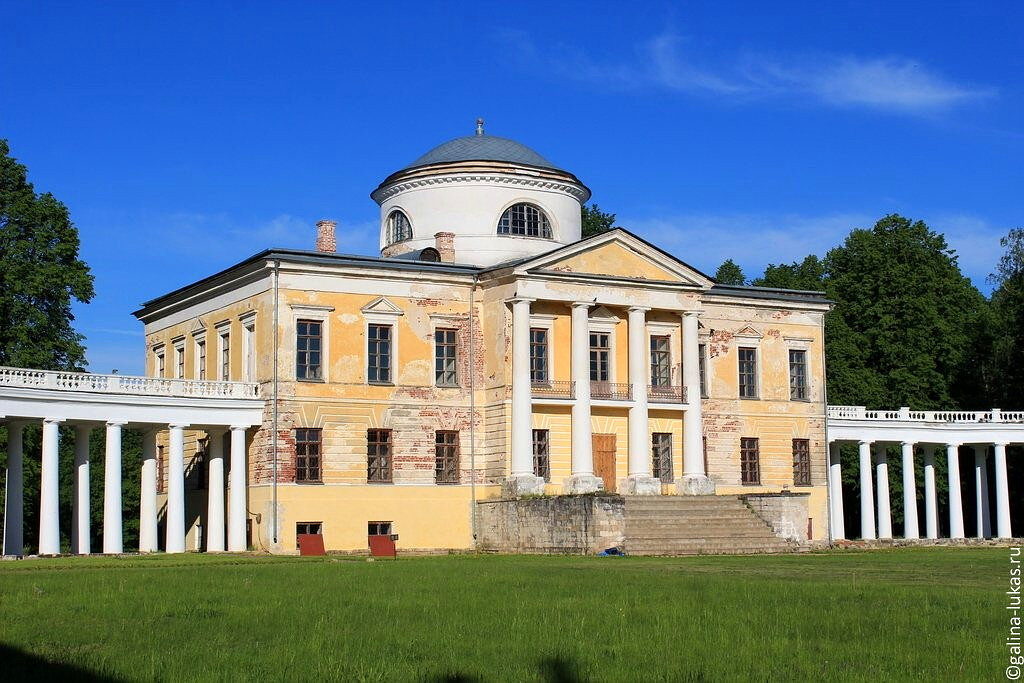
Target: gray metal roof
[(482, 148)]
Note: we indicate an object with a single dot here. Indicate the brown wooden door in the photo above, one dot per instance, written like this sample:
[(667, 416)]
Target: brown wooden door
[(604, 459)]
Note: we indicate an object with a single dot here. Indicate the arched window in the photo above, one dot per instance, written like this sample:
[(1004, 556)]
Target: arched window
[(399, 228), (430, 254), (526, 220)]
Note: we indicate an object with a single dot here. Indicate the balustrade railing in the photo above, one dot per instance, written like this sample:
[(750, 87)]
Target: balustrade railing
[(907, 415), (125, 384), (554, 389), (666, 394), (611, 391)]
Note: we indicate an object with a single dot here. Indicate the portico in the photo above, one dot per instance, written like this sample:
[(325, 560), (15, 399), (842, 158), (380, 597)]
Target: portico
[(932, 434), (113, 403)]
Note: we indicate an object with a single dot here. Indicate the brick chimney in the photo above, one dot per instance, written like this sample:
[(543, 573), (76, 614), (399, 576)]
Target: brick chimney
[(325, 238), (444, 242)]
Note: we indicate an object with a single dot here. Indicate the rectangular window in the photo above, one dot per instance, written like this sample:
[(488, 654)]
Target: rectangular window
[(539, 356), (201, 359), (179, 361), (308, 350), (308, 449), (541, 454), (600, 354), (661, 456), (378, 456), (748, 373), (702, 364), (661, 362), (801, 462), (797, 375), (161, 364), (199, 464), (750, 461), (249, 351), (446, 457), (378, 528), (225, 356), (305, 528), (378, 354), (159, 469), (445, 358)]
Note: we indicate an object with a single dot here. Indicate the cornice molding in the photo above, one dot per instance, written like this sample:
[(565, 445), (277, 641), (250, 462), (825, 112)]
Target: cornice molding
[(578, 192)]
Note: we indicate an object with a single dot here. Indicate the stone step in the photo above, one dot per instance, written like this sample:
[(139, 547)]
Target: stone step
[(706, 544)]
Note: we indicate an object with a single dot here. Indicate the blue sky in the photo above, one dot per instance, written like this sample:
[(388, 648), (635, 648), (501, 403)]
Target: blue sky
[(185, 137)]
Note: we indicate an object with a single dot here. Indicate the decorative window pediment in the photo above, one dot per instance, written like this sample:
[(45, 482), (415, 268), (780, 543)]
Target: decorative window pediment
[(381, 306), (748, 333)]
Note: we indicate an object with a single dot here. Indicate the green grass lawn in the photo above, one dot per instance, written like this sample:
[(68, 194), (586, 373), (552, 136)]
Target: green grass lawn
[(935, 614)]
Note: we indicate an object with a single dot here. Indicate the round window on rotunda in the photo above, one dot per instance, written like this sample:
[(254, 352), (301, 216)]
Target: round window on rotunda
[(398, 226), (524, 220)]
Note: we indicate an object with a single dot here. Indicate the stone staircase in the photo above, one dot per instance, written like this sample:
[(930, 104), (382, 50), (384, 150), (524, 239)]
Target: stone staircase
[(697, 525)]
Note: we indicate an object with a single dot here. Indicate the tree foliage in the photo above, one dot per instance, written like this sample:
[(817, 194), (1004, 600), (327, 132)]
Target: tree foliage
[(596, 221), (730, 274), (1004, 332), (40, 274), (808, 275)]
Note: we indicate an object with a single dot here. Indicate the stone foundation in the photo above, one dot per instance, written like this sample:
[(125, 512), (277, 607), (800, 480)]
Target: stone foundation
[(787, 513), (578, 525)]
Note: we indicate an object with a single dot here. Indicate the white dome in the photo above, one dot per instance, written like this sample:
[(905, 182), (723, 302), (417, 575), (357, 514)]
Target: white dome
[(464, 187)]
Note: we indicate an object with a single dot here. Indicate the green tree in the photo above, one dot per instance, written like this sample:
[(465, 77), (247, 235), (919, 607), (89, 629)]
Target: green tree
[(596, 221), (40, 273), (730, 274), (1007, 323), (808, 275), (903, 317)]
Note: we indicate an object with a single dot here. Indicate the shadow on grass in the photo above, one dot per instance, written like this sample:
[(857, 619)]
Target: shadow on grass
[(22, 666), (552, 670)]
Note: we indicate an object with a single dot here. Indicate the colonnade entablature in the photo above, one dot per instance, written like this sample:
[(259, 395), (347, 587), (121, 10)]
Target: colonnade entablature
[(86, 401)]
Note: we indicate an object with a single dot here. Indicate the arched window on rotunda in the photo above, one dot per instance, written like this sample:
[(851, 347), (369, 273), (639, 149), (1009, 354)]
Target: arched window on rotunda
[(399, 228), (524, 220)]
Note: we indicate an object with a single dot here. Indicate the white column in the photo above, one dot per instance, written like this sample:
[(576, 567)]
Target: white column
[(695, 479), (112, 526), (910, 527), (1002, 493), (522, 479), (49, 487), (236, 494), (835, 473), (884, 505), (956, 507), (867, 494), (582, 479), (931, 505), (639, 481), (985, 505), (175, 542), (147, 495), (983, 521), (80, 541), (14, 496), (215, 499)]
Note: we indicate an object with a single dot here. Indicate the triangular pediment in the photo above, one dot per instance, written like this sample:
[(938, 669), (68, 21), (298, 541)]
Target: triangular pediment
[(381, 306), (619, 255), (748, 332), (602, 313)]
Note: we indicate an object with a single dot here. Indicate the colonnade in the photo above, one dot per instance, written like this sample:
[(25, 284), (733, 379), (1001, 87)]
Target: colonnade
[(874, 491), (582, 480), (49, 517)]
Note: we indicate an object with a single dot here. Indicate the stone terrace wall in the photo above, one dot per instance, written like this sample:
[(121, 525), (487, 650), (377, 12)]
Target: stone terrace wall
[(787, 513), (562, 524)]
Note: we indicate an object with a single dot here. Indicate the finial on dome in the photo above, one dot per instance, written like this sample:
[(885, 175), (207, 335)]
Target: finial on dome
[(479, 126)]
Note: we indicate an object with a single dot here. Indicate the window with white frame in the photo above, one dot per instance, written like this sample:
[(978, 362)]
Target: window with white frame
[(200, 372), (312, 341), (600, 356), (159, 361), (248, 321), (748, 372), (398, 226), (223, 353), (179, 359), (446, 357), (524, 220), (702, 364), (661, 360), (539, 373)]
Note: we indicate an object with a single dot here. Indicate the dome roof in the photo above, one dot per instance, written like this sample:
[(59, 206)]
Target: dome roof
[(482, 147)]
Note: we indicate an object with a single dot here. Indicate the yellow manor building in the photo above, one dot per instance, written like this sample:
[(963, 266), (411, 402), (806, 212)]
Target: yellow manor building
[(488, 354)]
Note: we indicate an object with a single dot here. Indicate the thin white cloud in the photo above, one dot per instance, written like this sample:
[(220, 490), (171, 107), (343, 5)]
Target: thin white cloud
[(668, 62)]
